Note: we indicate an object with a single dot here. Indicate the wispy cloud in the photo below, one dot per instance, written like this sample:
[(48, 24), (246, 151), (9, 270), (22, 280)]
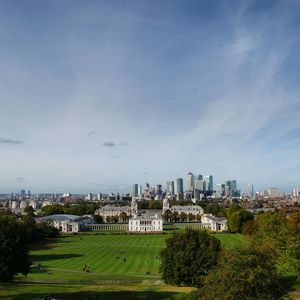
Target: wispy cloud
[(10, 141), (112, 144), (20, 179), (92, 132), (108, 144)]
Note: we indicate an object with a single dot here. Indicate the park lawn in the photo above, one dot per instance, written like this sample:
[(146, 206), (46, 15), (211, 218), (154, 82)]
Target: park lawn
[(113, 292), (122, 266), (109, 257), (229, 240), (119, 257)]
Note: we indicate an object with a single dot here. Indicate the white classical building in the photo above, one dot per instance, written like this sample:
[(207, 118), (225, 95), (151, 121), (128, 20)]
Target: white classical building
[(66, 223), (216, 224), (188, 209), (146, 223), (112, 211)]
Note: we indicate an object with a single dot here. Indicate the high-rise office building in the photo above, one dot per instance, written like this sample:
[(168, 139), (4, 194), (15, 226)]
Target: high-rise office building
[(228, 188), (170, 187), (158, 189), (136, 190), (89, 197), (233, 187), (199, 184), (179, 186), (220, 190), (190, 179), (209, 183), (295, 192), (251, 191)]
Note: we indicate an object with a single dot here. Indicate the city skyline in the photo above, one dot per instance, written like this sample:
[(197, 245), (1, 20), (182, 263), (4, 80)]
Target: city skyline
[(97, 96)]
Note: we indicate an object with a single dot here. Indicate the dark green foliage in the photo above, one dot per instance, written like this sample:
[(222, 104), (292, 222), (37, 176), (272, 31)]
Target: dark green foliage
[(248, 272), (14, 248), (167, 215), (237, 218), (215, 209), (183, 217), (45, 230), (150, 204), (281, 233), (81, 208), (98, 219), (188, 256), (52, 210), (123, 217)]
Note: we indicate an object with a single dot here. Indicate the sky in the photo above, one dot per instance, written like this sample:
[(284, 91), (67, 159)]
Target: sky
[(98, 95)]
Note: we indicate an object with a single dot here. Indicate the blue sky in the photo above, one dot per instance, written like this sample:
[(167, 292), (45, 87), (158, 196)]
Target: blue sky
[(98, 95)]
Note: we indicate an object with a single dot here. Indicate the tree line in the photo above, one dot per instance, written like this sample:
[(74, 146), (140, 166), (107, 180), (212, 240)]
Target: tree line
[(251, 271), (16, 234)]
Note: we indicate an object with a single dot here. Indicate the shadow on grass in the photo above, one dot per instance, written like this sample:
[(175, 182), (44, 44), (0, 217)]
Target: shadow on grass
[(126, 295), (46, 257), (49, 243)]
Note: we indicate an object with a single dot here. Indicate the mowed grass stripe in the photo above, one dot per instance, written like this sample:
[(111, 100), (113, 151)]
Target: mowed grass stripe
[(101, 251)]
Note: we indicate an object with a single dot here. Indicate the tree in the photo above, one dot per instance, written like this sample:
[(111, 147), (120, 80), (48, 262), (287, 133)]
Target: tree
[(123, 217), (191, 217), (52, 209), (281, 234), (167, 215), (248, 272), (14, 248), (175, 216), (98, 219), (114, 219), (183, 217), (294, 222), (214, 209), (237, 217), (188, 256)]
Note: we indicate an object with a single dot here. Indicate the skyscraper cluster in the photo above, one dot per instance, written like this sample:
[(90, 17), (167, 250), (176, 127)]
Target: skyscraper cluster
[(227, 189)]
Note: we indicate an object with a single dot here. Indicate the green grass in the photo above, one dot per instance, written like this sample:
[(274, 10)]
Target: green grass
[(122, 266), (110, 257), (73, 292), (229, 240)]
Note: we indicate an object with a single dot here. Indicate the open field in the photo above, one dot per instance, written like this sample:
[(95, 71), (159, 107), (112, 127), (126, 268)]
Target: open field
[(122, 266), (109, 257)]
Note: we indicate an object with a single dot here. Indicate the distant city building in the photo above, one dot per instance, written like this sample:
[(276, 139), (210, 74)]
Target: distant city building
[(136, 190), (199, 183), (209, 183), (295, 192), (270, 192), (220, 190), (233, 188), (190, 180), (251, 191), (179, 186), (158, 189), (89, 197), (22, 193), (170, 187), (147, 189)]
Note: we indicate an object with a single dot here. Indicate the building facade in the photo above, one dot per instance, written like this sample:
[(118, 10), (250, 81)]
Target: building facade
[(145, 224)]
